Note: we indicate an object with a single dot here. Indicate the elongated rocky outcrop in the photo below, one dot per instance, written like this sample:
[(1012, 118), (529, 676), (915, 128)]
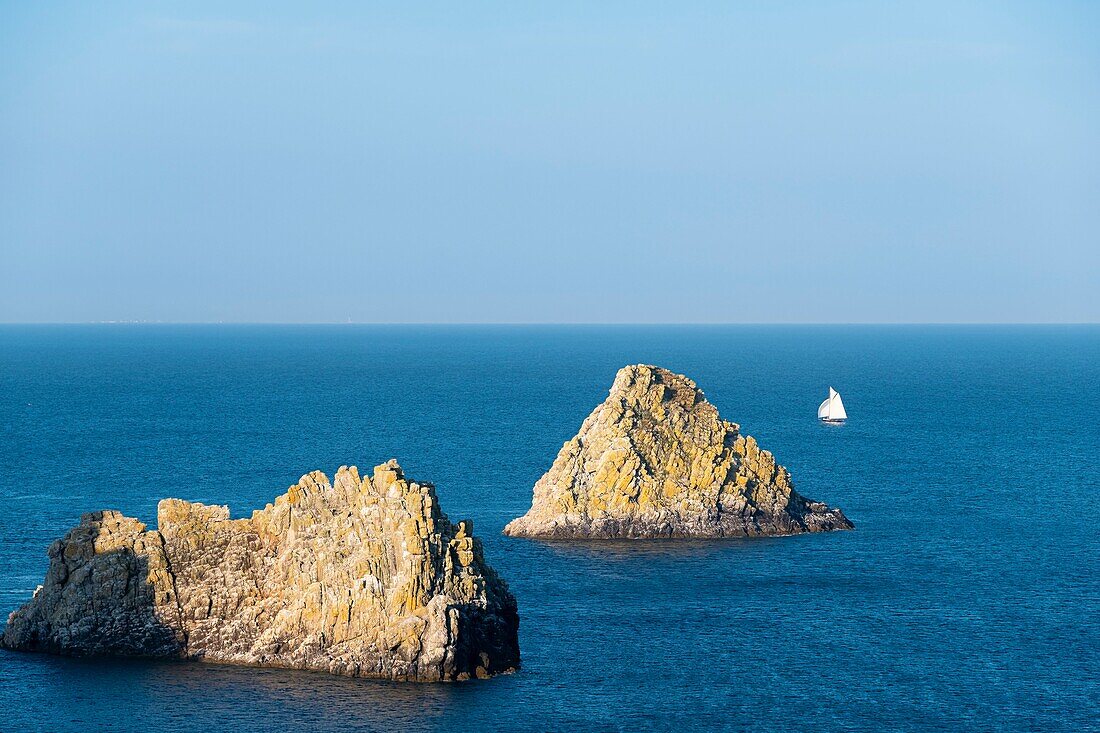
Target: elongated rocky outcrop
[(363, 577), (656, 460)]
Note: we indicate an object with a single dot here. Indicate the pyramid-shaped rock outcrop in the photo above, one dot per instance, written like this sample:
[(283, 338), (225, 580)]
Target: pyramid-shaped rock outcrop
[(656, 460), (361, 576)]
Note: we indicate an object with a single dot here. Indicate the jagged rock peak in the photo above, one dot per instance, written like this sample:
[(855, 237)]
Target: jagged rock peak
[(656, 460), (361, 576)]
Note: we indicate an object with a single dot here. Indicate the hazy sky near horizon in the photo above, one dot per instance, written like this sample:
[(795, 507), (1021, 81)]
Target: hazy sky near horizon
[(592, 162)]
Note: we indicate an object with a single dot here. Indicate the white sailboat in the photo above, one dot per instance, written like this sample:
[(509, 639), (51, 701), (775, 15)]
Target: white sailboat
[(832, 409)]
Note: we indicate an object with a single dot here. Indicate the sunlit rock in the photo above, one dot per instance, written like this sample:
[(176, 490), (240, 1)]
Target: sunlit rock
[(656, 460), (363, 576)]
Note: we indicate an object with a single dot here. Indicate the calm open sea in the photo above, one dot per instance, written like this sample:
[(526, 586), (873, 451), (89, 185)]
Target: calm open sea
[(968, 598)]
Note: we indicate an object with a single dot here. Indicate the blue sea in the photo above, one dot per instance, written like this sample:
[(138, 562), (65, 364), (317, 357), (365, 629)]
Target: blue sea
[(967, 598)]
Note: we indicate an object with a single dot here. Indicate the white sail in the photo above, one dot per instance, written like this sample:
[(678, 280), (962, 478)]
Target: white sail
[(832, 408), (836, 407)]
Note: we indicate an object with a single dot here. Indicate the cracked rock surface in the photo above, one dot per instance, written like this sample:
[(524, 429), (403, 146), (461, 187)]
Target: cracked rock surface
[(361, 576), (656, 460)]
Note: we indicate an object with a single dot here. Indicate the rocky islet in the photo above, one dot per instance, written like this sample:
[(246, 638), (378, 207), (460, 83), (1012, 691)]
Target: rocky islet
[(654, 460), (363, 576)]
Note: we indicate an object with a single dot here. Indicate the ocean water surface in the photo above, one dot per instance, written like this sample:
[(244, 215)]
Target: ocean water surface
[(967, 598)]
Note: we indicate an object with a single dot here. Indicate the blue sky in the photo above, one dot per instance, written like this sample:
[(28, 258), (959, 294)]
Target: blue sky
[(566, 162)]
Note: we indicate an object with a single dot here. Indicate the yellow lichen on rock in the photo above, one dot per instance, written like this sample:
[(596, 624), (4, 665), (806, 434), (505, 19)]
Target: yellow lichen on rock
[(656, 460), (361, 576)]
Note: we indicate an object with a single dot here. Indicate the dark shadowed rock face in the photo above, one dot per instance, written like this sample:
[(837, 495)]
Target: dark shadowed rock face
[(656, 460), (363, 577)]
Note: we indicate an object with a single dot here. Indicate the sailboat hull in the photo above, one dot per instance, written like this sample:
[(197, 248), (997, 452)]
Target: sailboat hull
[(832, 421)]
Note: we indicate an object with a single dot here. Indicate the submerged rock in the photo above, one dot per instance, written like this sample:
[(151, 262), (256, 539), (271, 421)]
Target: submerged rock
[(363, 577), (656, 460)]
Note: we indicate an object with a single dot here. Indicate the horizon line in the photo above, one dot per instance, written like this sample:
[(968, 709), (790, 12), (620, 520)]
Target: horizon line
[(546, 323)]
